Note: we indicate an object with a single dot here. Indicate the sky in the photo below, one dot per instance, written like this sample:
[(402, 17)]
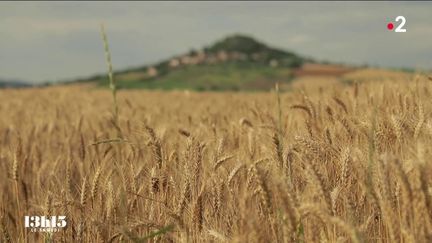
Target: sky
[(51, 41)]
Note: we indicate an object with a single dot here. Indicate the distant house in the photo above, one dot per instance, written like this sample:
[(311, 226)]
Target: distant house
[(222, 56), (185, 59), (174, 63), (193, 60), (201, 56), (152, 72)]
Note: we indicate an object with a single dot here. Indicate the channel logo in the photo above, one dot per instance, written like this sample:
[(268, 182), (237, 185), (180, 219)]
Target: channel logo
[(401, 21), (45, 223)]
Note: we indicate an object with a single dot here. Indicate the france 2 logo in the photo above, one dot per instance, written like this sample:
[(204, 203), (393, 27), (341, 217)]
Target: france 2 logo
[(399, 28), (45, 223)]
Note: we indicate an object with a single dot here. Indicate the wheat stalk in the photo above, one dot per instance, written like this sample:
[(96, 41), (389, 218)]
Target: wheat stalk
[(112, 84)]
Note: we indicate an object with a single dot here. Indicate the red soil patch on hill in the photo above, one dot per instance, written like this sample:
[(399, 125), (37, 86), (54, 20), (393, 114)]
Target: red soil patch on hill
[(313, 69)]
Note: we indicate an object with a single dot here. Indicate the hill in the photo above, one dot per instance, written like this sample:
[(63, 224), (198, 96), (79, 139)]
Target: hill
[(233, 63), (13, 84)]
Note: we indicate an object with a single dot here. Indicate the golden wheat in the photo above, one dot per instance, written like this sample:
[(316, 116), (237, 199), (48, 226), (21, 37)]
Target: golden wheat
[(296, 168)]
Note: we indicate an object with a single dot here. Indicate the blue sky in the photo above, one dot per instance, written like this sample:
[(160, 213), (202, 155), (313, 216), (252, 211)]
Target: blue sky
[(48, 41)]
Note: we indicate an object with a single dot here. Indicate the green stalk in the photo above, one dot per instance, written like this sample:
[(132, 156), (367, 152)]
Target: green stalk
[(112, 84)]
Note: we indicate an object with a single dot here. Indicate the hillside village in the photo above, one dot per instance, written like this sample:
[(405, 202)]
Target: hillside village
[(202, 57)]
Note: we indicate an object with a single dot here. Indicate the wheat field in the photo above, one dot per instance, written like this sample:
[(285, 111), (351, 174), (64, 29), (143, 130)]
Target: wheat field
[(348, 163)]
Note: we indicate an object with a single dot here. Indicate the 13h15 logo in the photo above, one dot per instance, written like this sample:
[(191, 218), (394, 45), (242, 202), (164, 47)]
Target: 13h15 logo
[(45, 223)]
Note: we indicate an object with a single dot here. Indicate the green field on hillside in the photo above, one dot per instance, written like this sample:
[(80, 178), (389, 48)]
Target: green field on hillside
[(227, 76)]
